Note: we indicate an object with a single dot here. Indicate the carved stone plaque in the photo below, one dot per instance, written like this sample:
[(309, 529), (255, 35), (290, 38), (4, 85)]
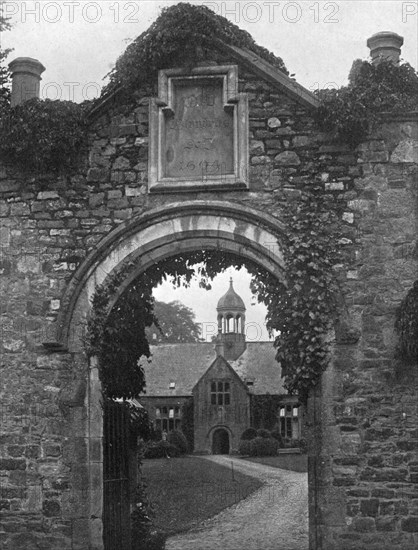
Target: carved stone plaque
[(199, 135), (198, 130)]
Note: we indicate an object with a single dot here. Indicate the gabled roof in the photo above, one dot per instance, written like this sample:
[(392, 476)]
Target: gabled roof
[(254, 63), (265, 70), (185, 364), (258, 363), (221, 359)]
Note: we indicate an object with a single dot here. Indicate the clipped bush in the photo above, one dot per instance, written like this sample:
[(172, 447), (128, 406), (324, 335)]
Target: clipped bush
[(244, 446), (263, 446), (299, 443), (275, 433), (161, 449), (177, 438), (263, 433), (248, 434)]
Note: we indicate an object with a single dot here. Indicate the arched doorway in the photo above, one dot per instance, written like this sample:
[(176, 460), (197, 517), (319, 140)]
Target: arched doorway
[(153, 236), (220, 442)]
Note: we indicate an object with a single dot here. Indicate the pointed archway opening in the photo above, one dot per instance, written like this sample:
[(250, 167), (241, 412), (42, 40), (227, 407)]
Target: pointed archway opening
[(220, 442)]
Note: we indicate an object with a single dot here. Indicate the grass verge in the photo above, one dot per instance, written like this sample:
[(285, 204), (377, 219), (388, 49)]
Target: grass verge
[(188, 490)]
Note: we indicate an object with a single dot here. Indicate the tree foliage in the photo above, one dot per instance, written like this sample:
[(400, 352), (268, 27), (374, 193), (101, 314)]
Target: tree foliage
[(351, 111), (175, 324), (181, 34), (4, 71)]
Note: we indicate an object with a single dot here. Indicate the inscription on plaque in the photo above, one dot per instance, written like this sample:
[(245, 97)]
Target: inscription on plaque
[(199, 132)]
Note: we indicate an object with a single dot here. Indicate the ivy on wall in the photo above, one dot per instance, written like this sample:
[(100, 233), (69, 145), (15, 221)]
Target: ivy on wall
[(301, 311), (181, 35), (44, 136), (406, 325), (4, 72), (351, 111)]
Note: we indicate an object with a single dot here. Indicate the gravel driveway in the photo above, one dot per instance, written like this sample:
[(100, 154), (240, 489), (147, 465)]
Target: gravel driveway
[(273, 518)]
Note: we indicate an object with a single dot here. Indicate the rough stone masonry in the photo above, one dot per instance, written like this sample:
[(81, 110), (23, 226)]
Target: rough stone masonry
[(362, 421)]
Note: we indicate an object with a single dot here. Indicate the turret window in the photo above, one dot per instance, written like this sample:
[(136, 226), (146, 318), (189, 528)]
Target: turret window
[(220, 393)]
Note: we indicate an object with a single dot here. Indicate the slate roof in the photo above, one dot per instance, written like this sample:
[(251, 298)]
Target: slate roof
[(185, 364)]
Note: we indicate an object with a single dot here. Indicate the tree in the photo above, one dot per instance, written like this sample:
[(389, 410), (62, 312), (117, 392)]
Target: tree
[(176, 323), (4, 71)]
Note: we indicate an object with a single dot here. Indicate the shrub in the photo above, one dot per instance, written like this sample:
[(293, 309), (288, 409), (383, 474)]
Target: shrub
[(157, 435), (300, 443), (263, 433), (143, 536), (275, 433), (248, 434), (263, 446), (160, 449), (244, 446), (178, 439)]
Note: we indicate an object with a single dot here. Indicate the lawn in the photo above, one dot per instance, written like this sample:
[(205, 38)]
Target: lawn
[(187, 490), (294, 462)]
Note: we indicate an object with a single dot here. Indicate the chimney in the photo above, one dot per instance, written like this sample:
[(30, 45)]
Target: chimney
[(385, 45), (26, 76)]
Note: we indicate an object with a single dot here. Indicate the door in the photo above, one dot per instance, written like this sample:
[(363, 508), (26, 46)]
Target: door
[(220, 442)]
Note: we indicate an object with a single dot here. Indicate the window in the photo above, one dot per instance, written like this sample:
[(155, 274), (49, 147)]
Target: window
[(220, 393), (168, 418), (172, 386), (289, 421)]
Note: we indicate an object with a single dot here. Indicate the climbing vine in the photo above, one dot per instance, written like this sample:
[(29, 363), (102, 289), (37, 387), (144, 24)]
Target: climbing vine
[(4, 71), (406, 325), (301, 311), (117, 335), (351, 111), (181, 34), (43, 136)]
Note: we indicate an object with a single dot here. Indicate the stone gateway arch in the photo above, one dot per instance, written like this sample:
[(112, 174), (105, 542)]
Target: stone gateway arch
[(206, 157)]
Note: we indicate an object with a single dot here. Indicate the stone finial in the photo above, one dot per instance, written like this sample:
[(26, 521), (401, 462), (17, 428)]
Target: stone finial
[(385, 45), (26, 77)]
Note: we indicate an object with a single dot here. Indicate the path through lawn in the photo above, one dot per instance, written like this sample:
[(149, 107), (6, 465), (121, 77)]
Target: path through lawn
[(273, 518), (186, 491)]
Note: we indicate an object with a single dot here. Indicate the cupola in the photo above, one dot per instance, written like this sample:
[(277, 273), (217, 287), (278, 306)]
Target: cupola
[(231, 325)]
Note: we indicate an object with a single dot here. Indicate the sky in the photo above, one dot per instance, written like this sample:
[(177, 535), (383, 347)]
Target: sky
[(203, 303), (79, 41)]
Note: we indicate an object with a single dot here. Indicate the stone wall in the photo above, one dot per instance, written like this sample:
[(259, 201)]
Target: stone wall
[(368, 450), (363, 464)]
